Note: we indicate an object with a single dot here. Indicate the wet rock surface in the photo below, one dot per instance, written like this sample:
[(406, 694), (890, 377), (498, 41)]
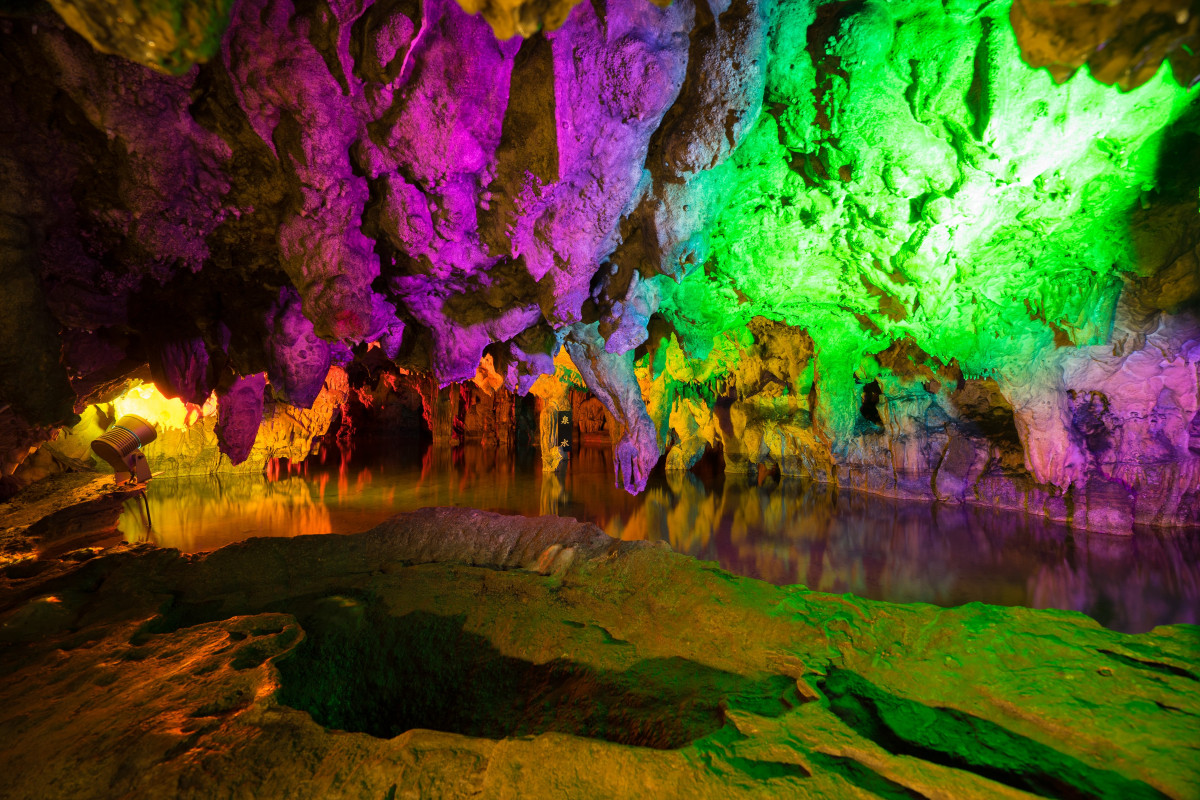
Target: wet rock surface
[(64, 512), (523, 671)]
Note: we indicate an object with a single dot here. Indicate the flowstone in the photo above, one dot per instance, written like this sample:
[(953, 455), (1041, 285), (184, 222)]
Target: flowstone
[(457, 653)]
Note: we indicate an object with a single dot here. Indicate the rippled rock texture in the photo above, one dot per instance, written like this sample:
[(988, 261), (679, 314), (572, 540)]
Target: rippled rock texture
[(455, 653), (860, 240)]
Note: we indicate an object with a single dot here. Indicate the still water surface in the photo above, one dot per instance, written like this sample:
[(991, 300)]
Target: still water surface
[(786, 532)]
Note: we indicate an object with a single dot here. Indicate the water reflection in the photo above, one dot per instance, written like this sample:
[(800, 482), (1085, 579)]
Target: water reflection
[(783, 531)]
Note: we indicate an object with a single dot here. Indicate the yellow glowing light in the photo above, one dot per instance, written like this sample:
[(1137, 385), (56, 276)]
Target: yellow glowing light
[(149, 404)]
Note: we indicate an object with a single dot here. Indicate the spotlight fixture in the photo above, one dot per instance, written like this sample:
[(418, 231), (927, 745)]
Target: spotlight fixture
[(121, 447)]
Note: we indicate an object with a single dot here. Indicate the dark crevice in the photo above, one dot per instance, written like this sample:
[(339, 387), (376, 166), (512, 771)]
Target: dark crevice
[(361, 669), (954, 738), (1152, 666), (758, 769), (507, 285), (865, 778), (978, 94), (870, 403), (323, 32), (985, 412), (1178, 171), (916, 207), (528, 141), (666, 156), (1091, 420), (374, 34), (1194, 434), (600, 7), (829, 20)]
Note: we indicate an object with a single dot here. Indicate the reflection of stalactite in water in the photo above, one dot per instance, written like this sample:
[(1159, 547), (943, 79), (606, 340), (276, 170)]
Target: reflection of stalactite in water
[(436, 460), (553, 493), (591, 460), (1161, 581), (1055, 584), (792, 532), (591, 495), (690, 514), (343, 484), (457, 461), (363, 480), (136, 523), (198, 514)]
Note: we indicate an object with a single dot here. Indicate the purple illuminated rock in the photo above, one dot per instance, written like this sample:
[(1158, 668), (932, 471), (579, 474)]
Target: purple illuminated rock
[(527, 357), (299, 101), (418, 176), (239, 413), (181, 370), (299, 359), (569, 226), (612, 378)]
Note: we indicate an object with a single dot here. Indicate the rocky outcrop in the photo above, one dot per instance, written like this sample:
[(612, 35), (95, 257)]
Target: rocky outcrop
[(65, 512), (493, 655), (1122, 43), (1100, 437), (167, 35)]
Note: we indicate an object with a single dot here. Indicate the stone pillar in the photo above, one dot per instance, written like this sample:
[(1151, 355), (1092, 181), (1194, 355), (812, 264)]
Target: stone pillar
[(440, 407), (553, 398)]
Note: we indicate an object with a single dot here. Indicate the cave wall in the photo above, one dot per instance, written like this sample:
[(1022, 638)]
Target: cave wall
[(195, 440), (823, 238)]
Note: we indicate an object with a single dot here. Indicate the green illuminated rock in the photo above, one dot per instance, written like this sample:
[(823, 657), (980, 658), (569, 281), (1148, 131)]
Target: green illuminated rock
[(938, 216), (983, 280), (455, 653), (938, 188)]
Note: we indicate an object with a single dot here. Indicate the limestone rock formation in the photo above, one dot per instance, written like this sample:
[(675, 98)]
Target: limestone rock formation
[(498, 656), (242, 434), (646, 186), (169, 36), (1123, 43), (613, 379)]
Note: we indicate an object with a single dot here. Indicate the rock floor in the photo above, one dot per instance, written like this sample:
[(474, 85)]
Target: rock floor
[(457, 653)]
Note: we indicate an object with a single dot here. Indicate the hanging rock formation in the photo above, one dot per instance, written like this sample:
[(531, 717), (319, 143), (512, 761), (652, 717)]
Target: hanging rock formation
[(925, 266)]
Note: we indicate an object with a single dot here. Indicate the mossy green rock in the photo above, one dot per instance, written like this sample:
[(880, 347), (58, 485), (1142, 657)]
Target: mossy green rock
[(543, 659)]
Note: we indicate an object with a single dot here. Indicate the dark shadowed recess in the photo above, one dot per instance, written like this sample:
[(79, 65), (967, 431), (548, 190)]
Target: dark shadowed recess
[(361, 669), (956, 739)]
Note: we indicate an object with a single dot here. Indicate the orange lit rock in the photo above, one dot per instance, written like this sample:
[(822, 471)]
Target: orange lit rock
[(301, 667)]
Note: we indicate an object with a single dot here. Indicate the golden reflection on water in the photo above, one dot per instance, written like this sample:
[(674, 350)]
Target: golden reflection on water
[(787, 532)]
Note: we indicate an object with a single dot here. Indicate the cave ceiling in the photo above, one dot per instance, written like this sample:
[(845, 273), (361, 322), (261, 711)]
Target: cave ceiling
[(210, 190)]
